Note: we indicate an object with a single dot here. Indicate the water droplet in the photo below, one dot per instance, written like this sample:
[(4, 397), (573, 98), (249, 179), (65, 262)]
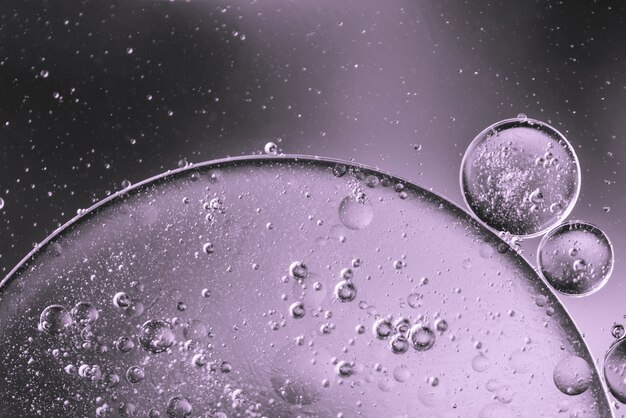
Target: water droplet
[(592, 267), (55, 319), (572, 375), (422, 337), (356, 212), (156, 336), (500, 167)]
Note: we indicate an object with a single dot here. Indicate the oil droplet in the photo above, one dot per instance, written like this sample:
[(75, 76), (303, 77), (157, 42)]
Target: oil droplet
[(591, 268), (572, 375), (356, 212), (504, 185)]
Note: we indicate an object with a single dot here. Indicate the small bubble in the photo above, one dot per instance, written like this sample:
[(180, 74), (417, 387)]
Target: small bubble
[(271, 148), (135, 374), (422, 337), (298, 270), (617, 331), (345, 291), (156, 336), (297, 310), (383, 328), (179, 407)]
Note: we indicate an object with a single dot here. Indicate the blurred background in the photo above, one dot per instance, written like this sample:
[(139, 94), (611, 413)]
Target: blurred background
[(93, 93)]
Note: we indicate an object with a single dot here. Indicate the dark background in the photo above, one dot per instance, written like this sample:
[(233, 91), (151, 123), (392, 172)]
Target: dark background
[(93, 93)]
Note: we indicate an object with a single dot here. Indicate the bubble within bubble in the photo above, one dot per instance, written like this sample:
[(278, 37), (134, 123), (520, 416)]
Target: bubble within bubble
[(576, 258), (356, 212), (345, 291), (156, 336), (297, 310), (84, 313), (135, 374), (271, 148), (179, 407), (510, 185), (617, 331), (55, 319), (572, 375), (422, 337)]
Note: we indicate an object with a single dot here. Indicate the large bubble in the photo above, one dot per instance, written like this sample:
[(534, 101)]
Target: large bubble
[(520, 176), (402, 307), (576, 258)]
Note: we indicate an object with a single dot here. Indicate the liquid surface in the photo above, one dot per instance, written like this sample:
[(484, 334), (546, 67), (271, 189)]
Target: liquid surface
[(520, 176), (280, 287)]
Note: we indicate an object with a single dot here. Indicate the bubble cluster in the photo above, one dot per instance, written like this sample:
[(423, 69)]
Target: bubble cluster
[(520, 176), (575, 258)]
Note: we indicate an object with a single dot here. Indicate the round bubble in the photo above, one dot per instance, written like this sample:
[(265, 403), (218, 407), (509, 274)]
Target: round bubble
[(55, 319), (356, 212), (84, 313), (572, 375), (156, 336), (575, 258), (179, 407), (615, 370), (250, 355), (520, 176)]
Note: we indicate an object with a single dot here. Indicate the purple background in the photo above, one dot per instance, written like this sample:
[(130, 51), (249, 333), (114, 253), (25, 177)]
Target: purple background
[(362, 80)]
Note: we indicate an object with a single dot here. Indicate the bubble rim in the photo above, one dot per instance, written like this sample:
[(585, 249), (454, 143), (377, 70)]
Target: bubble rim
[(551, 233), (566, 212), (620, 398)]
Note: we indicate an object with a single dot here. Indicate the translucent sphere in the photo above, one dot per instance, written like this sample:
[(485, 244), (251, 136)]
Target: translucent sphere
[(572, 375), (55, 319), (156, 336), (520, 176), (615, 370), (575, 258)]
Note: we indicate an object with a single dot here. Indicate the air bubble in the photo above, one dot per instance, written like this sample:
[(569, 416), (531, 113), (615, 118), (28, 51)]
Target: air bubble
[(617, 331), (156, 336), (297, 310), (84, 313), (422, 337), (271, 148), (505, 187), (383, 328), (135, 374), (179, 407), (576, 258), (55, 319), (345, 291), (615, 370), (298, 270)]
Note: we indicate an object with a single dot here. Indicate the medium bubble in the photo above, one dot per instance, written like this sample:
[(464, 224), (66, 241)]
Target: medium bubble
[(572, 375), (84, 313), (121, 300), (383, 328), (345, 291), (615, 370), (135, 374), (399, 344), (124, 344), (505, 187), (298, 270), (271, 148), (156, 336), (422, 337), (297, 310), (179, 407), (617, 331), (576, 258), (55, 319), (356, 212)]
